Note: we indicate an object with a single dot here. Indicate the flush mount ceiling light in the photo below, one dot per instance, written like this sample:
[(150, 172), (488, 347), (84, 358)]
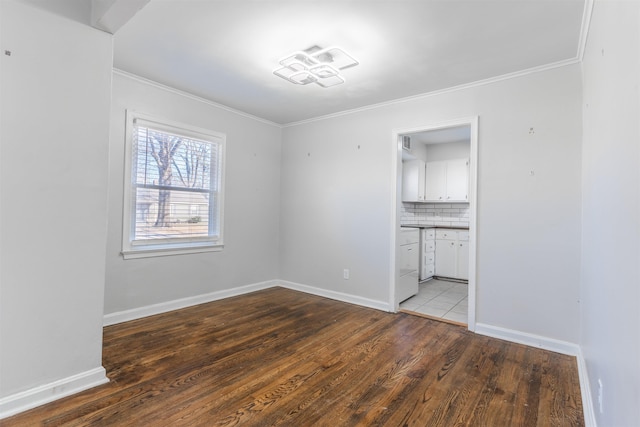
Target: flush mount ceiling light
[(316, 65)]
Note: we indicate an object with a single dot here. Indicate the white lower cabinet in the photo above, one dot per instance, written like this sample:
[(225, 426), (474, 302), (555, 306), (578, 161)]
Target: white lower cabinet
[(452, 253), (446, 263)]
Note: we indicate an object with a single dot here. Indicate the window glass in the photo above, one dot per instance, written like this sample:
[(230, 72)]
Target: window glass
[(175, 199)]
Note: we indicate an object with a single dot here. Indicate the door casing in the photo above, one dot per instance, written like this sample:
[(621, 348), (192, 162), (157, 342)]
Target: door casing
[(396, 201)]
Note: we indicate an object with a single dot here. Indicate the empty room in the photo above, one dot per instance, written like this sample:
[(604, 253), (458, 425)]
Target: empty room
[(309, 213)]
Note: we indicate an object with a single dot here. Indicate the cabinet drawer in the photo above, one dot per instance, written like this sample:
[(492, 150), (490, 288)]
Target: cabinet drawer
[(429, 246), (429, 258), (463, 236), (428, 271), (429, 233), (446, 234)]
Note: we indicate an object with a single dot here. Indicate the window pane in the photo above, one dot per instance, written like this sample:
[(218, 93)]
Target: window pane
[(174, 199), (162, 214), (171, 160)]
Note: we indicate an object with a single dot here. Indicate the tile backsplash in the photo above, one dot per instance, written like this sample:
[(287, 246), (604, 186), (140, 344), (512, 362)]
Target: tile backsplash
[(441, 214)]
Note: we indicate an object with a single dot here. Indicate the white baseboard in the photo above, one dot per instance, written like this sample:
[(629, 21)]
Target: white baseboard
[(339, 296), (585, 391), (29, 399), (551, 345), (40, 395), (480, 328), (46, 393), (526, 338), (150, 310)]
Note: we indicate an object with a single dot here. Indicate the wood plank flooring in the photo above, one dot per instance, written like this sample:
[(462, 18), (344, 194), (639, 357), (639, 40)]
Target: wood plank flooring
[(283, 358)]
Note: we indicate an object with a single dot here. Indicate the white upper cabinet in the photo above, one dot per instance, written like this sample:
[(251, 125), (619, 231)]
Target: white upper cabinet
[(436, 181), (458, 180), (413, 181), (447, 181)]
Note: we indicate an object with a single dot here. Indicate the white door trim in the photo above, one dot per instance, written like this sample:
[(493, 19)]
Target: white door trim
[(396, 159)]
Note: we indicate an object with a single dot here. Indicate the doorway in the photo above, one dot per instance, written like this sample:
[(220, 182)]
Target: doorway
[(432, 198)]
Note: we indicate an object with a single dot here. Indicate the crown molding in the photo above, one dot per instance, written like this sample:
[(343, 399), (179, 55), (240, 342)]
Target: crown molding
[(582, 43), (478, 83), (584, 30), (155, 84)]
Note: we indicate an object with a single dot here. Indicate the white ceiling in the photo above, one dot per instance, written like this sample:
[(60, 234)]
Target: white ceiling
[(226, 50)]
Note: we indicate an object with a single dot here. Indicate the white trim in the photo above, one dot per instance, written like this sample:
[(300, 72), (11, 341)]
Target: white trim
[(339, 296), (478, 83), (170, 246), (173, 90), (396, 196), (163, 307), (585, 391), (472, 122), (582, 42), (526, 338), (550, 344), (584, 30), (149, 253), (29, 399), (480, 328), (473, 223)]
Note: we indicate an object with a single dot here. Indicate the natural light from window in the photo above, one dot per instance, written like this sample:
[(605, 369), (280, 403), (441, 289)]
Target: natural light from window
[(175, 197)]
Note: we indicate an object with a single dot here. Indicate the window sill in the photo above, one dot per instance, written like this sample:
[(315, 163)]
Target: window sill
[(147, 252)]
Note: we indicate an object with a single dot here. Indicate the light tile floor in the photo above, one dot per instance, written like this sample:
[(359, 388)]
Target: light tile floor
[(440, 298)]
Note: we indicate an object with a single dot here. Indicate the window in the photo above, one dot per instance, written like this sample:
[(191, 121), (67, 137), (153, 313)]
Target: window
[(173, 192)]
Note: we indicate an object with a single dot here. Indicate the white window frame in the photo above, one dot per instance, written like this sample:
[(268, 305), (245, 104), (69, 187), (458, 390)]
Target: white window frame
[(173, 246)]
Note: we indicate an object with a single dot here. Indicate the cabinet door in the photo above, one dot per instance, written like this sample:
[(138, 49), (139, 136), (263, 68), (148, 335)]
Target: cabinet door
[(446, 258), (413, 181), (463, 260), (457, 180), (436, 181)]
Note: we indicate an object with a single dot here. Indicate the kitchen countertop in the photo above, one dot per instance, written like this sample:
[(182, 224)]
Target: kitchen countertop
[(435, 226)]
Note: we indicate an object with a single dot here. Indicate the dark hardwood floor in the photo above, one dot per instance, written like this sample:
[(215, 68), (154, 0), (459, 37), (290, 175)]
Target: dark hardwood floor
[(280, 357)]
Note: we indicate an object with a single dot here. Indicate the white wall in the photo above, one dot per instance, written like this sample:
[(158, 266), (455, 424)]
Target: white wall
[(336, 198), (251, 210), (54, 142), (335, 210), (448, 151), (418, 150), (610, 295)]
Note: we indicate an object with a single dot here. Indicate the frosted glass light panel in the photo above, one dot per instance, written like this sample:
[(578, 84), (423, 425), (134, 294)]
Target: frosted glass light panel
[(336, 57), (316, 65)]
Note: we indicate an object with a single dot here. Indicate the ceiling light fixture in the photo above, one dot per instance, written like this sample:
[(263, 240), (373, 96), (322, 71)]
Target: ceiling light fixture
[(316, 65)]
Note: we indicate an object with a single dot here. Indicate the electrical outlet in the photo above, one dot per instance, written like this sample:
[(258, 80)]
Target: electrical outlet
[(600, 395), (345, 274)]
